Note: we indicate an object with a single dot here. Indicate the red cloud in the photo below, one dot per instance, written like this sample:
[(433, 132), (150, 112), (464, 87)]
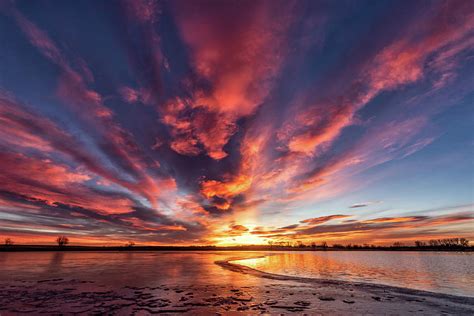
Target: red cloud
[(88, 104), (43, 179), (238, 61), (26, 129), (399, 63)]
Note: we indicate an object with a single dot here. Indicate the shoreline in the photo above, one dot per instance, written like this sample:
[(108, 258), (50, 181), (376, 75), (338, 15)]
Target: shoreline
[(45, 248), (240, 268)]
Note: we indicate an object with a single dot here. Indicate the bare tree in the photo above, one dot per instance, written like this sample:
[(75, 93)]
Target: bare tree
[(62, 241), (419, 243), (130, 244), (8, 242), (453, 243)]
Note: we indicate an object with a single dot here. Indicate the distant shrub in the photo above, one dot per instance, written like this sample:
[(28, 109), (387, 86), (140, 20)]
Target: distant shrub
[(62, 241)]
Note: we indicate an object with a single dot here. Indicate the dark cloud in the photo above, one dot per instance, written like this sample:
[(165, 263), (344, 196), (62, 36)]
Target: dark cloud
[(364, 204)]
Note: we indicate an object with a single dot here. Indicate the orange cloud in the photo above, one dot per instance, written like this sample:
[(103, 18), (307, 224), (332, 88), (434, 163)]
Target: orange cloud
[(394, 219), (379, 230), (322, 219), (43, 179)]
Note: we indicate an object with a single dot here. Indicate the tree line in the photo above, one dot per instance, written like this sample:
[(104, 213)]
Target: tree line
[(61, 241), (433, 244), (446, 243)]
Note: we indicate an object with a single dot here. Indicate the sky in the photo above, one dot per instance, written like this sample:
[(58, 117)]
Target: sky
[(236, 122)]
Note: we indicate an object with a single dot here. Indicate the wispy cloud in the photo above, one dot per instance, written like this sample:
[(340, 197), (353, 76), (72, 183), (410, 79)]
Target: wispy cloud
[(364, 204)]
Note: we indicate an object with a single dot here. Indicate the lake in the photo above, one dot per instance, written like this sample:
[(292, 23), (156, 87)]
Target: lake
[(451, 273), (444, 272), (118, 269)]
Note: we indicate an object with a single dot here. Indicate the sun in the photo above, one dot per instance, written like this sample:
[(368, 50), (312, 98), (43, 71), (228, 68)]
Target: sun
[(245, 239)]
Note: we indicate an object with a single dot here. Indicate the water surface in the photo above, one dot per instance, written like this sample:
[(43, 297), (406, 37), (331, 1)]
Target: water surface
[(444, 272), (451, 273), (120, 269)]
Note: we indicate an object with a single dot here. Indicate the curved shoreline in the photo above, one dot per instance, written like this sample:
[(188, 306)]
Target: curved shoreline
[(369, 287)]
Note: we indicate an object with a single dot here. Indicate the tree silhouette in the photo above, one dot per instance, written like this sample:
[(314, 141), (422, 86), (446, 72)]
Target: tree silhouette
[(464, 242), (62, 241), (8, 242), (419, 243)]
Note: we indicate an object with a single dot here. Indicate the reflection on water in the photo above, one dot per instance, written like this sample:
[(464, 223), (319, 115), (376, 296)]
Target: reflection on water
[(451, 273), (124, 268)]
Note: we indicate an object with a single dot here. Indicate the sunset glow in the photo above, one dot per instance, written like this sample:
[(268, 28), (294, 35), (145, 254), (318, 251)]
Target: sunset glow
[(236, 122)]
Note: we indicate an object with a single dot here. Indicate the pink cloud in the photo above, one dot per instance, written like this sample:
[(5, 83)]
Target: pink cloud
[(400, 63), (129, 95), (239, 62)]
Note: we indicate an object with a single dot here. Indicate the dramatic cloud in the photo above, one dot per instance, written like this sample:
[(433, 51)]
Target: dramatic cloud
[(234, 65), (201, 122), (366, 230)]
